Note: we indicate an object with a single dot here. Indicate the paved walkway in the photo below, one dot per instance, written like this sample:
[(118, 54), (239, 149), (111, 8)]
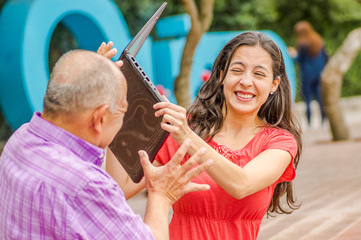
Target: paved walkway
[(328, 184)]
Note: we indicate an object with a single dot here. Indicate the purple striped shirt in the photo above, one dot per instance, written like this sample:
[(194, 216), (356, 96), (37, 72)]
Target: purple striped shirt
[(52, 187)]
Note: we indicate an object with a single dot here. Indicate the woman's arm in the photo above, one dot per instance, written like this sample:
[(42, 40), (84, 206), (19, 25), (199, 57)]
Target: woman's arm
[(116, 170), (240, 182), (293, 53)]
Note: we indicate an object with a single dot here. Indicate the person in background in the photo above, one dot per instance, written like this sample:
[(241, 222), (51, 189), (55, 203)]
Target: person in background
[(243, 117), (52, 185), (311, 57)]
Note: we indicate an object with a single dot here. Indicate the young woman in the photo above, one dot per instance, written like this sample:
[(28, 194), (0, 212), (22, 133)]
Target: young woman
[(242, 116)]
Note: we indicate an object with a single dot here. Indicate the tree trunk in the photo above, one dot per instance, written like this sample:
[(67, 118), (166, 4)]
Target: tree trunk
[(201, 19), (331, 79)]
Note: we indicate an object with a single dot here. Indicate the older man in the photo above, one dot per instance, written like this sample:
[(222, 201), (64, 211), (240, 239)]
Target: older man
[(51, 183)]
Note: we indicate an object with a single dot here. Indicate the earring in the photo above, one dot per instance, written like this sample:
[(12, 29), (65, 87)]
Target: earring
[(271, 93)]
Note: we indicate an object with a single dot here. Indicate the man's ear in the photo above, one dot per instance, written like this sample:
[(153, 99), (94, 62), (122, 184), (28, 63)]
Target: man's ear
[(99, 116)]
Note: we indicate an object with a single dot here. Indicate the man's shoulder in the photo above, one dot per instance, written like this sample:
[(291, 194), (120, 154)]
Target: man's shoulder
[(67, 171), (50, 163)]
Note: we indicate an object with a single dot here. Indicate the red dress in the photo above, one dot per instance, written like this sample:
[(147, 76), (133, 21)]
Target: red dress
[(215, 214)]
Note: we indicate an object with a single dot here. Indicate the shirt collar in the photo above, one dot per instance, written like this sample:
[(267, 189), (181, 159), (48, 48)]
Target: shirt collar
[(85, 150)]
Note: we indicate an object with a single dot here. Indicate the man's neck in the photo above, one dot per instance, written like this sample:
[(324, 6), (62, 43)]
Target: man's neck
[(77, 125)]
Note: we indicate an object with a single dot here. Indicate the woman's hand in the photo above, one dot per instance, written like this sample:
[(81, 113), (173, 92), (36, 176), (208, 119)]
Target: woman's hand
[(107, 50), (174, 120)]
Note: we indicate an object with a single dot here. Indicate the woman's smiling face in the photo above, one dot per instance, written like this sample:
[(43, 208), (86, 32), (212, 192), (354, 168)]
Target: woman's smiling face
[(249, 80)]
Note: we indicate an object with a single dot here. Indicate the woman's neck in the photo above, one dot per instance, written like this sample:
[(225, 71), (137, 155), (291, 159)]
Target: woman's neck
[(238, 130), (240, 122)]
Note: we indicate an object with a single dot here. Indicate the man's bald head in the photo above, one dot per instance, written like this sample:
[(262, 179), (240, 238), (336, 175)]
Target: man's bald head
[(83, 80)]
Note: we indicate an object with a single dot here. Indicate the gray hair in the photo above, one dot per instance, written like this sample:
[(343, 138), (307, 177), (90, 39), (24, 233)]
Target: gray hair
[(82, 80)]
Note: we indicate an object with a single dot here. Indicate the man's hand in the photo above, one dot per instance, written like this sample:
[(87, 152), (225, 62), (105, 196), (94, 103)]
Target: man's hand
[(172, 181), (107, 50)]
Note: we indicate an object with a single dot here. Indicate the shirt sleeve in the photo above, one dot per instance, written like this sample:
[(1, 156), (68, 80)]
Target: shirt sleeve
[(284, 141), (100, 211)]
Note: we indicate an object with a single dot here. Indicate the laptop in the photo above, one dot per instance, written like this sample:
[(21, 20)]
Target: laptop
[(141, 129)]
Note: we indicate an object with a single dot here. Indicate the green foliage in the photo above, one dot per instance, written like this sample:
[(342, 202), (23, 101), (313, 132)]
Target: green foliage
[(2, 2), (242, 15), (351, 84), (61, 42), (332, 19), (137, 12)]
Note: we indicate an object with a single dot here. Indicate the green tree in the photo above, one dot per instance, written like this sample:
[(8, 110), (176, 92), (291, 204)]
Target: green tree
[(235, 15), (137, 12), (201, 15), (333, 19), (332, 81)]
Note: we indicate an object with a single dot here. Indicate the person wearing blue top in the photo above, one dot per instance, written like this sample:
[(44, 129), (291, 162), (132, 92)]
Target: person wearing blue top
[(311, 58)]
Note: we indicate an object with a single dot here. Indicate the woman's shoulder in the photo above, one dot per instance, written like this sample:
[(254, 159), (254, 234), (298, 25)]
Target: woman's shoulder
[(277, 138), (273, 132), (271, 137)]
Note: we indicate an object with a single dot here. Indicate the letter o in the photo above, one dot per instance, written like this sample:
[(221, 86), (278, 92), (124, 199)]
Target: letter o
[(26, 27)]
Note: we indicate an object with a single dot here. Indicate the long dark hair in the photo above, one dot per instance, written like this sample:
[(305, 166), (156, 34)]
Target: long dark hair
[(207, 118)]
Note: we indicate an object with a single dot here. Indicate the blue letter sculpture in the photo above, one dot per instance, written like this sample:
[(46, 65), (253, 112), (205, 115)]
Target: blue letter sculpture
[(26, 27)]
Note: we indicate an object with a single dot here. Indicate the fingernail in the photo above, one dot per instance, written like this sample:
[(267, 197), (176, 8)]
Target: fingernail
[(203, 150), (210, 162), (187, 141)]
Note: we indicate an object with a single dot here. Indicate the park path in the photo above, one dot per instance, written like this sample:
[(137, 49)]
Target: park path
[(328, 185)]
